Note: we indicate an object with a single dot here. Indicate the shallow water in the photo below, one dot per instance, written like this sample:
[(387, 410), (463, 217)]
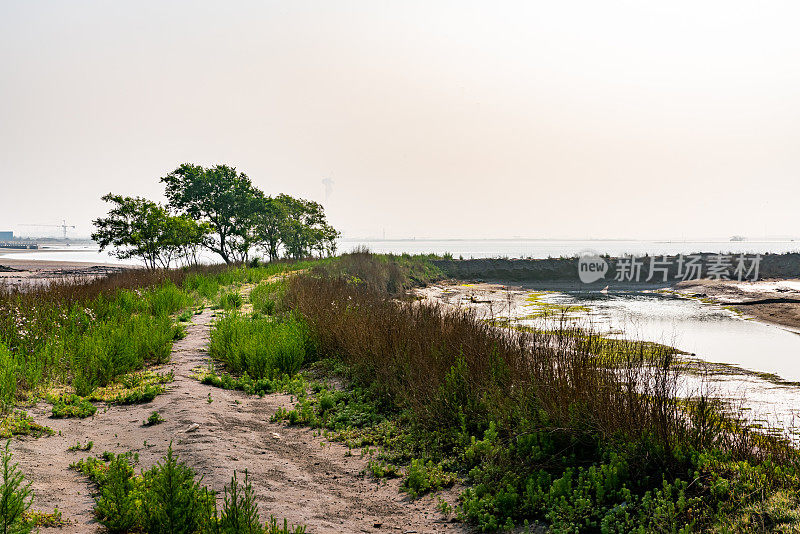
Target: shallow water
[(709, 333)]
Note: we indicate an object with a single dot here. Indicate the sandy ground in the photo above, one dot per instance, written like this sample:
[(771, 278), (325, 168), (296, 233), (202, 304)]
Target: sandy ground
[(772, 301), (296, 473)]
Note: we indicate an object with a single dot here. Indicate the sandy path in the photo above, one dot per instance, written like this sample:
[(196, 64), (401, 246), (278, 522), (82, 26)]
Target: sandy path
[(294, 474)]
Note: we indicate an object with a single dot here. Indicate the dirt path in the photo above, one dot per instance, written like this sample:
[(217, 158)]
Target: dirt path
[(295, 473)]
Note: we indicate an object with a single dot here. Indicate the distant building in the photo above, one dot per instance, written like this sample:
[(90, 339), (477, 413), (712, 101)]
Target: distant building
[(6, 236)]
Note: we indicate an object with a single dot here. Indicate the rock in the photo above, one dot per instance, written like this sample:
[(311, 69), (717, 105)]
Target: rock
[(276, 435), (193, 427)]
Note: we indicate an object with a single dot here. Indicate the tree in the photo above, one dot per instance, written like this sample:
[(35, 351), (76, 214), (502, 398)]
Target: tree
[(305, 229), (223, 197), (269, 223), (140, 228)]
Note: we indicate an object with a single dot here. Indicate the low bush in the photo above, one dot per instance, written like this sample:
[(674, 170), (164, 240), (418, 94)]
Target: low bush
[(154, 419), (73, 406), (169, 498), (16, 496), (262, 347), (230, 300), (423, 477), (19, 423)]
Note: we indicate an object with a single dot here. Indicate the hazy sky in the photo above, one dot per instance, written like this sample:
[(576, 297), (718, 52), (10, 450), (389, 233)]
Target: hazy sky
[(577, 119)]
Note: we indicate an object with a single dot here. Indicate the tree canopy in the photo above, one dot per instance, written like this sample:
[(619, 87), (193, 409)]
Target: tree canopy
[(140, 228), (221, 196), (217, 208)]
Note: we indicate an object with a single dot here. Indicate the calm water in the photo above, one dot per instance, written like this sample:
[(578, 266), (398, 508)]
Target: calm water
[(711, 334), (482, 248)]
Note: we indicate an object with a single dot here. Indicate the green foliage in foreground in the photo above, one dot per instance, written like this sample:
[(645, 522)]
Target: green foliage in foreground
[(169, 498), (16, 496), (88, 334), (87, 344)]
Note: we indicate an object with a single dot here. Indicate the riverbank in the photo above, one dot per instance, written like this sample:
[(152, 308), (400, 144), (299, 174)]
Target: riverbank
[(26, 272), (775, 301)]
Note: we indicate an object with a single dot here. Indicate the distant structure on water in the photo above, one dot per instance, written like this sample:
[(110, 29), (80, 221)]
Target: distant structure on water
[(7, 241)]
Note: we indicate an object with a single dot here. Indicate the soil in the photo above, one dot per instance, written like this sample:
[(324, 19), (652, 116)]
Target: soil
[(295, 472)]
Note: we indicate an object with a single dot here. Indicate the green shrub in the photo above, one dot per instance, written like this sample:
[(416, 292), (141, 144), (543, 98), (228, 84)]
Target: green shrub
[(423, 477), (117, 507), (8, 379), (259, 346), (266, 295), (15, 496), (205, 286), (109, 350), (73, 406), (173, 500), (154, 419)]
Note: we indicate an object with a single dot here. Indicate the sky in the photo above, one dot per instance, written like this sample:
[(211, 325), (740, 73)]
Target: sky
[(434, 119)]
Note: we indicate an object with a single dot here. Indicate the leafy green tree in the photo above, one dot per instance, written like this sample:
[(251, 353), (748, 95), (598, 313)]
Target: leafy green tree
[(269, 225), (224, 198), (140, 228), (305, 229), (15, 496)]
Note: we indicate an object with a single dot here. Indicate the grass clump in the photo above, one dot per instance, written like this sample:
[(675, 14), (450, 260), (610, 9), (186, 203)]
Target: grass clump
[(262, 347), (423, 477), (19, 423), (39, 519), (154, 419), (73, 406), (169, 498)]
